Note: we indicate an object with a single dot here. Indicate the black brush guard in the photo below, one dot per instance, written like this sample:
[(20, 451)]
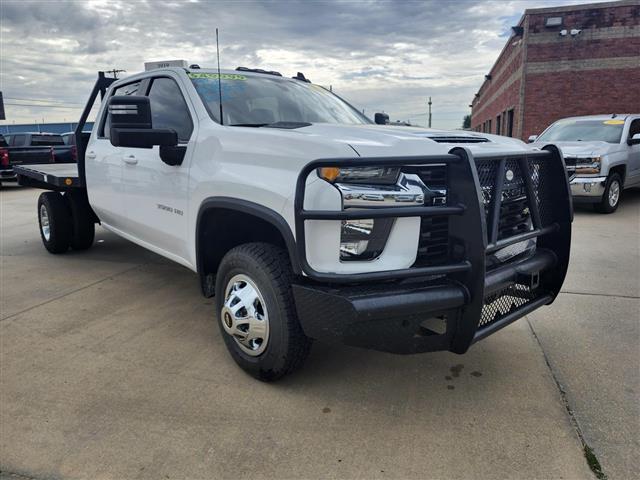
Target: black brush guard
[(450, 305)]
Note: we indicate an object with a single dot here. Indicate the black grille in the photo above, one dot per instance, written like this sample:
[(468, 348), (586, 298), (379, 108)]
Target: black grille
[(487, 177), (540, 172), (515, 215), (434, 177), (500, 304), (433, 247)]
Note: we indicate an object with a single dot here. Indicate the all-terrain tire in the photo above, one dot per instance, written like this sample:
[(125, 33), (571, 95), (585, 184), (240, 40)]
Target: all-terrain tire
[(269, 269), (54, 219)]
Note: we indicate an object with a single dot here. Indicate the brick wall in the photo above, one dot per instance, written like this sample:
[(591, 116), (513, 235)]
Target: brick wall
[(596, 71), (555, 95), (502, 92)]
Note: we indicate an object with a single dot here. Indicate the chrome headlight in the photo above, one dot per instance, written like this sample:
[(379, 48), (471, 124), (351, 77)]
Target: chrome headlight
[(588, 165), (360, 175)]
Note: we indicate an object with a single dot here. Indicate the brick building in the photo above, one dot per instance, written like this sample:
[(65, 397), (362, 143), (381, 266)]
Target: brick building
[(562, 62)]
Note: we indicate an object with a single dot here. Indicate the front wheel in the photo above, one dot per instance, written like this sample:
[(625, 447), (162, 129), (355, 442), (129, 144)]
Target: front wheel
[(611, 197), (256, 311)]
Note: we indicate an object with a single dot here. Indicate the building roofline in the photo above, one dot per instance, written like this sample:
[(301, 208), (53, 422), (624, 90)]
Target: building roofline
[(558, 9), (497, 60), (581, 6)]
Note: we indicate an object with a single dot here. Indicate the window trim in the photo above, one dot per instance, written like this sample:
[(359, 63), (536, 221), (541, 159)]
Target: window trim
[(629, 133), (145, 86), (103, 118)]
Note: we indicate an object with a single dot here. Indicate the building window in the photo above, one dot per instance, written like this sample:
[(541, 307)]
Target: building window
[(488, 126), (553, 22), (509, 125), (499, 124)]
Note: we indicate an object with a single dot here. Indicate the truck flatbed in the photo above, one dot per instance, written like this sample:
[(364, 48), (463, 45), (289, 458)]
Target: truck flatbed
[(53, 176)]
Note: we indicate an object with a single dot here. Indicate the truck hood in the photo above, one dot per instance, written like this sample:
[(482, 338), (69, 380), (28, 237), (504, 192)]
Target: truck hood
[(585, 149), (393, 141)]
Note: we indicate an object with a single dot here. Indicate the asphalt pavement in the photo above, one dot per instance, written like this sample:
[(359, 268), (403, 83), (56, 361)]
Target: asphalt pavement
[(111, 366)]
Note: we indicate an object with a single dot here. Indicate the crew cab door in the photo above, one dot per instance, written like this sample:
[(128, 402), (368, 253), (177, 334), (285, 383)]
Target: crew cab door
[(155, 192), (104, 165)]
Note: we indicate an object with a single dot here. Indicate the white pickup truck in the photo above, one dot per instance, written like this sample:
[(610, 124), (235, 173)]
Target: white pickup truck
[(306, 221), (602, 154)]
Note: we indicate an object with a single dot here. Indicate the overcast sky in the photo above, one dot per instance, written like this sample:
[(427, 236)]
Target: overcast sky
[(382, 56)]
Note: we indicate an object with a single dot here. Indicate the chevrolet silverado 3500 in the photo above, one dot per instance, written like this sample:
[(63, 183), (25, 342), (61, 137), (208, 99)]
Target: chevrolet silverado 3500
[(307, 221)]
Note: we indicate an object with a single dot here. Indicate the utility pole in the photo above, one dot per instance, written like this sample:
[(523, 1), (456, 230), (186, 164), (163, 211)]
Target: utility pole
[(115, 72), (429, 112)]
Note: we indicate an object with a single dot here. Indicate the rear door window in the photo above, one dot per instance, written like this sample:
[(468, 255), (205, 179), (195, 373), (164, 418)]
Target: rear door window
[(128, 89)]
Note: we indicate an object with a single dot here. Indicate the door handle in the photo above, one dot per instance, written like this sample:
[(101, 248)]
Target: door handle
[(90, 155), (130, 159)]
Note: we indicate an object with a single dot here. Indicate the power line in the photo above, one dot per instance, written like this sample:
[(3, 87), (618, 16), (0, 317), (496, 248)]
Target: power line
[(41, 100), (42, 106)]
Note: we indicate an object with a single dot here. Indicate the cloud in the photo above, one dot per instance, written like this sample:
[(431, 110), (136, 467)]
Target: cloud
[(380, 55)]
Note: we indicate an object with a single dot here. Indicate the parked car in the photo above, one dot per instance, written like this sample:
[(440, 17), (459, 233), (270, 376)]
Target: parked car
[(602, 154), (307, 221), (32, 149)]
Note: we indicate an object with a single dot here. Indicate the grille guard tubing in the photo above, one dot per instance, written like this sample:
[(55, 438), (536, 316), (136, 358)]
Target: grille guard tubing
[(473, 229)]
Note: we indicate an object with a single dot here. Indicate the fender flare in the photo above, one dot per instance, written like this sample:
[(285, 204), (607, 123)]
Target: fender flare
[(251, 208)]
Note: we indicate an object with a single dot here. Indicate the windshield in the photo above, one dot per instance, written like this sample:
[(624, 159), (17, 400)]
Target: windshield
[(584, 131), (259, 100)]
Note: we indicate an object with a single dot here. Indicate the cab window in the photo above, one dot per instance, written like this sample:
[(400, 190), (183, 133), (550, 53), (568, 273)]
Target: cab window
[(128, 89), (18, 140), (169, 109), (634, 128)]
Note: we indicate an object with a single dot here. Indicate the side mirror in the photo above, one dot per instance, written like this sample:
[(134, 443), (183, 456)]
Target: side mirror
[(533, 138), (635, 140), (131, 124), (381, 118)]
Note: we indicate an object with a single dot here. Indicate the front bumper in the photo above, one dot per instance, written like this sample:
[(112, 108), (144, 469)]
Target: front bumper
[(421, 316), (447, 303), (588, 189)]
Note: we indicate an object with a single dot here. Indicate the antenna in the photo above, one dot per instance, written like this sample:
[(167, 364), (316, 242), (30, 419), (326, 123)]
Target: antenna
[(219, 78)]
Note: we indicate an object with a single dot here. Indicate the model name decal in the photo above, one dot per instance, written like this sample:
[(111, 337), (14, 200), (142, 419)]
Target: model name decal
[(170, 209)]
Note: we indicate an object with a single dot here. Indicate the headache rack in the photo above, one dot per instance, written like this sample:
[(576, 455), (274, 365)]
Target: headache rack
[(489, 204)]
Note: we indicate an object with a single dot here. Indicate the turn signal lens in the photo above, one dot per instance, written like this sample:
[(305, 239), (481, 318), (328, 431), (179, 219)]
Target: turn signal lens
[(329, 173)]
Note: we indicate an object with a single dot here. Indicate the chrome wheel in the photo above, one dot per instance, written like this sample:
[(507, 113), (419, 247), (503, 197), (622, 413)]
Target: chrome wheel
[(614, 193), (244, 315), (44, 223)]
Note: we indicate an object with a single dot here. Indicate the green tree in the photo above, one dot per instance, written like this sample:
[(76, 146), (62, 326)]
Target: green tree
[(466, 123)]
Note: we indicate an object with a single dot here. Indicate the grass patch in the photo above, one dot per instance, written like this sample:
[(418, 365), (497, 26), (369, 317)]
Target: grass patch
[(593, 463)]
